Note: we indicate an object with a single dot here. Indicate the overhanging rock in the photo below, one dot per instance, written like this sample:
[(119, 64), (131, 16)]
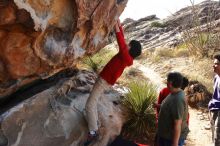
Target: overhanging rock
[(41, 37)]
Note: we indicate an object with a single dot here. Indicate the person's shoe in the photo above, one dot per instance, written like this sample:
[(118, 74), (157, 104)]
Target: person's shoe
[(91, 138)]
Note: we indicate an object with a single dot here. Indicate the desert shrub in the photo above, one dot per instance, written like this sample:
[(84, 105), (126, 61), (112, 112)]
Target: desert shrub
[(98, 60), (202, 44), (181, 51), (156, 59), (158, 24), (164, 52), (202, 72), (140, 113)]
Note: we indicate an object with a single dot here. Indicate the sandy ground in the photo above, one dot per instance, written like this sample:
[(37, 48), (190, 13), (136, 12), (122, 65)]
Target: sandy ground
[(199, 135)]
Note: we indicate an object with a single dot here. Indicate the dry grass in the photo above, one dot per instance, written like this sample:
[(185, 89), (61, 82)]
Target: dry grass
[(164, 52), (199, 69), (131, 74), (181, 51), (203, 73)]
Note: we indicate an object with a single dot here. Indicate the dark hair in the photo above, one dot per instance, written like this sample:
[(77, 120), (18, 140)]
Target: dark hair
[(185, 83), (217, 56), (175, 78), (135, 48)]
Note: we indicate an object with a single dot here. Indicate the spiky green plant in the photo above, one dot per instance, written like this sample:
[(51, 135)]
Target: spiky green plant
[(140, 113)]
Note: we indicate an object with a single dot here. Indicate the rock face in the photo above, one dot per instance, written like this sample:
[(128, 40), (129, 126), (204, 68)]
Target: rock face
[(205, 11), (156, 33), (55, 117), (41, 37)]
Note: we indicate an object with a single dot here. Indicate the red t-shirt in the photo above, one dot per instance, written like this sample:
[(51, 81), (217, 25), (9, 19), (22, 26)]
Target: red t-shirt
[(115, 67), (163, 94)]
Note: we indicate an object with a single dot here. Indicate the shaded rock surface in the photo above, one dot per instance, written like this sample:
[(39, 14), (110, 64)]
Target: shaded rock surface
[(156, 33), (34, 88), (39, 38), (56, 115)]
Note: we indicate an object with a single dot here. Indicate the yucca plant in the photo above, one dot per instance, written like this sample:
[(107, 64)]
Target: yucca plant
[(140, 113)]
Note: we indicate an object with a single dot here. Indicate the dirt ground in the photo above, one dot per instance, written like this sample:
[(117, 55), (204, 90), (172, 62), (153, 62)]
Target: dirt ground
[(200, 133)]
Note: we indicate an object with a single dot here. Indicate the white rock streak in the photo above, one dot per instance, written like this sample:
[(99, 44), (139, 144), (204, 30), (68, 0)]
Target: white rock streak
[(76, 44), (40, 23), (19, 135)]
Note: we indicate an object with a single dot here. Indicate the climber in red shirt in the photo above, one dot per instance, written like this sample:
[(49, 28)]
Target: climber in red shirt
[(108, 76)]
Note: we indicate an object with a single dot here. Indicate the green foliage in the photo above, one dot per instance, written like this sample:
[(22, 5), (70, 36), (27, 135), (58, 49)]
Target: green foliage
[(141, 116), (158, 24), (97, 61), (92, 64)]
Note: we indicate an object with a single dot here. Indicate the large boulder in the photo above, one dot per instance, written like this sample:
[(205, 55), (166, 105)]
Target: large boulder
[(39, 37), (55, 117)]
